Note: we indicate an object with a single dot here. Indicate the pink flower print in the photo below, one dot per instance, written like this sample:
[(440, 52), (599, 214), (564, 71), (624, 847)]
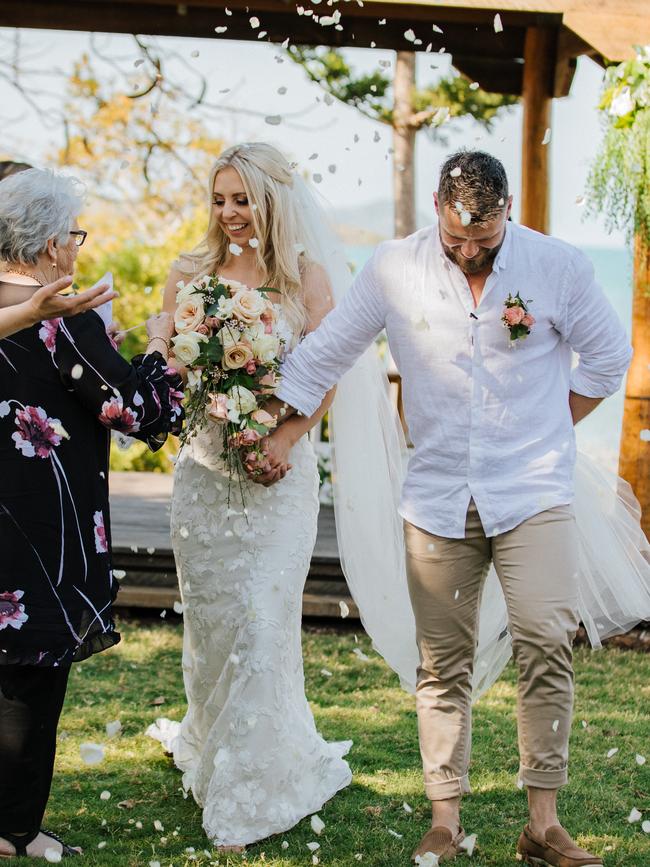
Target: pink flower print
[(12, 611), (118, 417), (175, 398), (47, 333), (37, 434), (101, 545)]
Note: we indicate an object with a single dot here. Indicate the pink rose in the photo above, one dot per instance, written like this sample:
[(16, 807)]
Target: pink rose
[(212, 322), (248, 437), (513, 315), (251, 366), (203, 329), (218, 409), (528, 320), (261, 416)]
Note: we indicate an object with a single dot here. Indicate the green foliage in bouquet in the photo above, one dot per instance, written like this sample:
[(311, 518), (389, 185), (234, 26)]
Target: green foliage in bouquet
[(619, 181)]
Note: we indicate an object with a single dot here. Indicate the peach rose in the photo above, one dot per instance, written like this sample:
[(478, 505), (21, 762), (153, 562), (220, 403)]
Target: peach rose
[(528, 320), (513, 315), (236, 356), (218, 409), (261, 416), (248, 437), (248, 306), (190, 313)]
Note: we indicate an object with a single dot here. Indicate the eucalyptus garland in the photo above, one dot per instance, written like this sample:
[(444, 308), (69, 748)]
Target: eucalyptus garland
[(619, 180)]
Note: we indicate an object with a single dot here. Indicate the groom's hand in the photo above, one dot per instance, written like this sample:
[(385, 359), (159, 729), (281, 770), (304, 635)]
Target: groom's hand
[(275, 449)]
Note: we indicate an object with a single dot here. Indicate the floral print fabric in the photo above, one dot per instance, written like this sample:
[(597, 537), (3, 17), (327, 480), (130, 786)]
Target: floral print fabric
[(63, 387)]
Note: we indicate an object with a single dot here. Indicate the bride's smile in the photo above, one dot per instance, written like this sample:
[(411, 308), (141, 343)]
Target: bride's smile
[(231, 207)]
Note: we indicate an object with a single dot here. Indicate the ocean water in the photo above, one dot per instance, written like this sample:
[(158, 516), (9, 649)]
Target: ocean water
[(599, 434)]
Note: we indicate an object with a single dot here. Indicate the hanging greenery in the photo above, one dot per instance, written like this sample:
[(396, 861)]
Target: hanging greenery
[(619, 180)]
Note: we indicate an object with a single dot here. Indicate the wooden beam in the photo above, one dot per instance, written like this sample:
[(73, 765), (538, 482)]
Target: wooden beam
[(539, 72)]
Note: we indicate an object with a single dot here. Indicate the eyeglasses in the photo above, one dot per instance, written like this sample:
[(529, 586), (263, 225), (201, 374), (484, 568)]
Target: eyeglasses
[(80, 236)]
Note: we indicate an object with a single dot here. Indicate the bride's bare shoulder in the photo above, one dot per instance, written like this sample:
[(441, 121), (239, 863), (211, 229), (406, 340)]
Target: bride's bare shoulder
[(182, 269), (317, 293)]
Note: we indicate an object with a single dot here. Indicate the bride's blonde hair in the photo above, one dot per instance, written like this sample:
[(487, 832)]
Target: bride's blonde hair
[(267, 178)]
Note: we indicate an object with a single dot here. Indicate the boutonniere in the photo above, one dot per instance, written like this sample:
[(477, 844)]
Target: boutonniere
[(516, 317)]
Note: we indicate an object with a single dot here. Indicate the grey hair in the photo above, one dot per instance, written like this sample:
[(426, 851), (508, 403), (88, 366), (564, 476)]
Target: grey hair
[(36, 205), (478, 181)]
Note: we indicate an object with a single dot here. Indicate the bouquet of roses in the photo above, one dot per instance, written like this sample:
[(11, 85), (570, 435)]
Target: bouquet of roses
[(227, 337)]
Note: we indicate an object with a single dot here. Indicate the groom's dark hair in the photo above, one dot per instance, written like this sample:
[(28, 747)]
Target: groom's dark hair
[(481, 185)]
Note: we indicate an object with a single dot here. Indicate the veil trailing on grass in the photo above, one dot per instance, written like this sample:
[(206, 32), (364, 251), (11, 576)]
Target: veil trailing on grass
[(369, 457)]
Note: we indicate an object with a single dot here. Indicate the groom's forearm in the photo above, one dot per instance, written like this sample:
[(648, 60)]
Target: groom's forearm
[(582, 406), (280, 410)]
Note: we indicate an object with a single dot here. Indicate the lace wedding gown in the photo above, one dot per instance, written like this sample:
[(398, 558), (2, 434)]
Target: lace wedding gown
[(248, 745)]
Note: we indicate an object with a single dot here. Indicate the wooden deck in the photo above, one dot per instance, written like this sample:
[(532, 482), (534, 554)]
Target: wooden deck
[(140, 504)]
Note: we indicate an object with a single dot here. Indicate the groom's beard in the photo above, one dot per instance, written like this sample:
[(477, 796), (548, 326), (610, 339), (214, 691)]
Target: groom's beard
[(475, 265)]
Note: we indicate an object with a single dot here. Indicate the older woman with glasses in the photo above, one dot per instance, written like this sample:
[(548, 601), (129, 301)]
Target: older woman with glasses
[(63, 387)]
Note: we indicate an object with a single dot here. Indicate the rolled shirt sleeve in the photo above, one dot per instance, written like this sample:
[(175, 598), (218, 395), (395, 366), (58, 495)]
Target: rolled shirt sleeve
[(593, 330), (322, 358)]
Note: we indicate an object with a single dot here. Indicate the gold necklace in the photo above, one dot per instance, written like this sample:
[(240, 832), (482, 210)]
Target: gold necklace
[(24, 274)]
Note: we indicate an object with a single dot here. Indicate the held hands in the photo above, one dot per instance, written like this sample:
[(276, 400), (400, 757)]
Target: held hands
[(46, 303), (275, 449)]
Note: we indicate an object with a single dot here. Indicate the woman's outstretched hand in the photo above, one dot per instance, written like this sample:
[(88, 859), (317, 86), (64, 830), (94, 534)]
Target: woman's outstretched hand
[(46, 303)]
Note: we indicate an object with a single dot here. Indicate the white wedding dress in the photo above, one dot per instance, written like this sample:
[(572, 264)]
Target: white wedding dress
[(248, 745)]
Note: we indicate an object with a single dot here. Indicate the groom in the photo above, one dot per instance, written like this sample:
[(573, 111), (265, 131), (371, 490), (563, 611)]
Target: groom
[(482, 316)]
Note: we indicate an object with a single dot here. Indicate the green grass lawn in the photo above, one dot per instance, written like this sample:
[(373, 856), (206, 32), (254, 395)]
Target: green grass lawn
[(362, 701)]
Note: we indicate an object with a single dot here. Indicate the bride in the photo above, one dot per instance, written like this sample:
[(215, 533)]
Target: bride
[(248, 745)]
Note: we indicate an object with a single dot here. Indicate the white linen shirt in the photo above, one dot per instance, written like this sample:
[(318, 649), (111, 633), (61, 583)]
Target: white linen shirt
[(489, 418)]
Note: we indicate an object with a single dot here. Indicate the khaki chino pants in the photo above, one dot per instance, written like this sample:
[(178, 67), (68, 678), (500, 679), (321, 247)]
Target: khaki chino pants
[(537, 566)]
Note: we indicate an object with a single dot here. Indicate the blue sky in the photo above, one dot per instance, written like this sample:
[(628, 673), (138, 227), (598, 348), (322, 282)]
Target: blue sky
[(253, 76)]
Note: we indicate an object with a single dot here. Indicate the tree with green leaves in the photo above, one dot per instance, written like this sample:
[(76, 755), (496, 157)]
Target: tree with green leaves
[(397, 102), (619, 187)]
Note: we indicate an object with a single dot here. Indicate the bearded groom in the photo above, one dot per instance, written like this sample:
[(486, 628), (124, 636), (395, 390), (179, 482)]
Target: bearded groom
[(482, 317)]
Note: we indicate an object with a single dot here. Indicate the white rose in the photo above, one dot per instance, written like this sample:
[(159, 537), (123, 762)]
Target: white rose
[(229, 337), (248, 305), (190, 313), (186, 346), (265, 347), (243, 400)]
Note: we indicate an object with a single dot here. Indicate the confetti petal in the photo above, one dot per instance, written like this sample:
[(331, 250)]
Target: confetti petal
[(634, 816), (52, 855), (91, 754), (113, 728), (468, 844), (345, 611), (498, 24), (612, 752), (235, 249), (317, 824)]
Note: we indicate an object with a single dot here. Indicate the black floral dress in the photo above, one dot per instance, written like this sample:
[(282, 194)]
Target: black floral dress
[(63, 387)]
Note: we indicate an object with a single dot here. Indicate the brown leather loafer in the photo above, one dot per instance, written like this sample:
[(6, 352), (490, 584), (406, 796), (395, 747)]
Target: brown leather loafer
[(441, 842), (557, 850)]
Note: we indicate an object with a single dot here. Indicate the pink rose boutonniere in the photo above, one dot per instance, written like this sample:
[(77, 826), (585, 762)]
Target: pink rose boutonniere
[(516, 317)]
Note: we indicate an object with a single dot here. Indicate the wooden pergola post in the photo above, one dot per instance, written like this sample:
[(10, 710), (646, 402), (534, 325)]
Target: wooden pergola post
[(539, 69), (633, 461)]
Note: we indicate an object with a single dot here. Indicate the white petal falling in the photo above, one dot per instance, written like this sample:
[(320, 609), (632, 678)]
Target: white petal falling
[(91, 754), (498, 24), (345, 611), (235, 249), (317, 824), (547, 136)]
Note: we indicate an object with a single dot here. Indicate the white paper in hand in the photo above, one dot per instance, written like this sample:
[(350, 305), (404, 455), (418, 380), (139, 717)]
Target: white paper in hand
[(105, 310)]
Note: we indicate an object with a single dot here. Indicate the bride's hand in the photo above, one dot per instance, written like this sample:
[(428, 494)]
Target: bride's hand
[(276, 448)]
